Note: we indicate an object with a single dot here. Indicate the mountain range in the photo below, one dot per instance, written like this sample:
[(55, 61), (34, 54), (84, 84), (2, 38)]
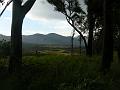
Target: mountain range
[(48, 39)]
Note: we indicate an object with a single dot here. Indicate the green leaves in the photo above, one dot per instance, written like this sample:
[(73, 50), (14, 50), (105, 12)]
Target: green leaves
[(66, 6)]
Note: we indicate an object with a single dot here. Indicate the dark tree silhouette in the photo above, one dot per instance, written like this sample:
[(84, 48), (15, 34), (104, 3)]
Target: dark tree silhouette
[(75, 16), (116, 26), (18, 14), (80, 41), (110, 17), (72, 41), (108, 36), (2, 2), (94, 10), (91, 22)]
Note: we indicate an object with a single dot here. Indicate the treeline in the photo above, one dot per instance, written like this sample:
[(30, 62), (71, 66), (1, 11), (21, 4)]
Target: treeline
[(101, 22)]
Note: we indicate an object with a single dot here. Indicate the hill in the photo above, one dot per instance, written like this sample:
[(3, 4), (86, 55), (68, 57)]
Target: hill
[(48, 39)]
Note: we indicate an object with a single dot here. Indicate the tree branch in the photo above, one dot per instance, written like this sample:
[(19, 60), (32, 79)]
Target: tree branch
[(17, 3), (85, 42), (8, 3), (28, 5)]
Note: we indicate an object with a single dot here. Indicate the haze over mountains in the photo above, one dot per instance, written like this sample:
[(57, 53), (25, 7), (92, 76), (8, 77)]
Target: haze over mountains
[(49, 39)]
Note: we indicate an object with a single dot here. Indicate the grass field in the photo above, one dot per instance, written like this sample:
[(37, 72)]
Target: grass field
[(60, 72)]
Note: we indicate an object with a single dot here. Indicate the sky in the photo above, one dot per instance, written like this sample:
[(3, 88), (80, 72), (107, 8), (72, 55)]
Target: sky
[(42, 18)]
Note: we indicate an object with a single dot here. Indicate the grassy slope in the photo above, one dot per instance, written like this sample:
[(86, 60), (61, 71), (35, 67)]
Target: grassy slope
[(61, 72)]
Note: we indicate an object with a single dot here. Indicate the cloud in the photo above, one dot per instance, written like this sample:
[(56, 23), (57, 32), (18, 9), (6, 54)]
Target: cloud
[(43, 10), (42, 18), (45, 26), (50, 20)]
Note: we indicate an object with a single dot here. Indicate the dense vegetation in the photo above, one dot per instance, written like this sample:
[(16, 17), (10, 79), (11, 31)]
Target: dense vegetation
[(4, 48), (60, 72)]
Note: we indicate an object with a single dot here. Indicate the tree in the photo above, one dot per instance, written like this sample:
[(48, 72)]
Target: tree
[(75, 16), (116, 26), (94, 11), (72, 41), (18, 14), (91, 22), (108, 36)]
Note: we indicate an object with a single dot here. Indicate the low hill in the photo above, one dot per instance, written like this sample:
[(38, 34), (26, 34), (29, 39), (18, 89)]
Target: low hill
[(48, 40)]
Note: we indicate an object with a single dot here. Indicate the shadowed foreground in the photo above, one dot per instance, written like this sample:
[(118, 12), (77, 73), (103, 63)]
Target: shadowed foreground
[(59, 72)]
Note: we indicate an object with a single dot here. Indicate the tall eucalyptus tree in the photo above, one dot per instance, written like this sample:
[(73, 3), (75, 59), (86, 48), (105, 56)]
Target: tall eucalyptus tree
[(94, 11), (75, 16), (108, 36), (18, 13), (112, 29)]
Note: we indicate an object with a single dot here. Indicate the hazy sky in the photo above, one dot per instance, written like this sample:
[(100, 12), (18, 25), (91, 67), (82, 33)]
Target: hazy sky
[(42, 18)]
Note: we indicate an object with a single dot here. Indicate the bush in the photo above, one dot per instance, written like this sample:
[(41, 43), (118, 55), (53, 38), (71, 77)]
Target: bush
[(4, 48)]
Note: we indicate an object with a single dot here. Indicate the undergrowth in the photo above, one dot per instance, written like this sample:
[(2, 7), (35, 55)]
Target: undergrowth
[(60, 72)]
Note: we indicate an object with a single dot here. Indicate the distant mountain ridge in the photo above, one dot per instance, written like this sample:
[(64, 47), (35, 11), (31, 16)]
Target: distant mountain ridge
[(48, 39)]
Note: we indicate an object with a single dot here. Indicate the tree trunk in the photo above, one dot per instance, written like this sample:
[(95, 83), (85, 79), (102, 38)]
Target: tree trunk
[(108, 37), (91, 22), (90, 37), (72, 42), (84, 39), (118, 51), (16, 39), (80, 41), (18, 14)]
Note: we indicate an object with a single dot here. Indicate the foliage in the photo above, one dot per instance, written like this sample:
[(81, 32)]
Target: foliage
[(74, 14), (2, 2), (61, 72), (4, 48)]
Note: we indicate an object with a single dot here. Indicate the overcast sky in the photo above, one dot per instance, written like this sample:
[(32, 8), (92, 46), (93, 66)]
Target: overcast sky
[(42, 18)]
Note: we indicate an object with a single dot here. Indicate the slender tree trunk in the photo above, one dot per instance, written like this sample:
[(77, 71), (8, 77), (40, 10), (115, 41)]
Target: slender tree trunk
[(72, 42), (91, 22), (18, 14), (80, 40), (16, 39), (118, 51), (84, 39), (90, 38), (108, 37)]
